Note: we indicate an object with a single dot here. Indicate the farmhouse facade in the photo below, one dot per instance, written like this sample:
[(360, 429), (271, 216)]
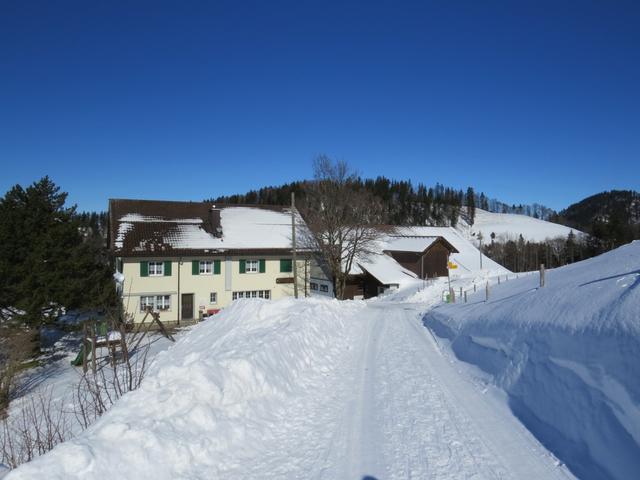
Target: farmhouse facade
[(188, 260)]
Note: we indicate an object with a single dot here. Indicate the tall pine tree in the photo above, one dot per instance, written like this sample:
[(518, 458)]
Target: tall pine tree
[(44, 260)]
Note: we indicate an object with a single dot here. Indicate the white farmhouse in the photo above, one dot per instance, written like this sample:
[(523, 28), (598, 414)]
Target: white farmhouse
[(190, 259)]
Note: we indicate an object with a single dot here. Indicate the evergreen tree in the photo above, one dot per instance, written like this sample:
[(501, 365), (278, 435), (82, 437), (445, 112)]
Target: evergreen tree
[(471, 205), (44, 259)]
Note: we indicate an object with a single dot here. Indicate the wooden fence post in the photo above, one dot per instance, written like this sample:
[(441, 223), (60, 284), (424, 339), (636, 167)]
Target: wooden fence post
[(474, 287), (93, 348), (452, 295), (487, 292), (542, 275), (460, 292), (84, 347), (465, 296), (498, 279)]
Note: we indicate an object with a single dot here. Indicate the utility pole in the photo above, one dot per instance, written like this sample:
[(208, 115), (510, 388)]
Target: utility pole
[(293, 244)]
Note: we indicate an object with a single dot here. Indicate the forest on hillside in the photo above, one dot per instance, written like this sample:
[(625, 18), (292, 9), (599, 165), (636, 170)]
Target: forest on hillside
[(404, 202), (609, 219)]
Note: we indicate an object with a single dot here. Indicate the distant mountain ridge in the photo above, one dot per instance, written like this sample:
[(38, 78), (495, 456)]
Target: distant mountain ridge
[(612, 216)]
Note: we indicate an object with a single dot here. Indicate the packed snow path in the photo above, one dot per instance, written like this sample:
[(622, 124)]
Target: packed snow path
[(398, 409), (309, 390), (409, 414)]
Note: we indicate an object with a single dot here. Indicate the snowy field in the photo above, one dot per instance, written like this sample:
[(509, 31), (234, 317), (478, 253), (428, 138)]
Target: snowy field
[(509, 226)]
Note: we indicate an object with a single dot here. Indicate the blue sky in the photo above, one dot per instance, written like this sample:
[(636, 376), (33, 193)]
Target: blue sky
[(529, 101)]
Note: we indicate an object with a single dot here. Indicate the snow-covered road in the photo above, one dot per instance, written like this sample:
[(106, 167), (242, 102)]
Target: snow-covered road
[(307, 390), (411, 414), (399, 407)]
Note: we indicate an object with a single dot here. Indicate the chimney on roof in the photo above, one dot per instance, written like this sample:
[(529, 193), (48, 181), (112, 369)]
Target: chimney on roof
[(214, 220)]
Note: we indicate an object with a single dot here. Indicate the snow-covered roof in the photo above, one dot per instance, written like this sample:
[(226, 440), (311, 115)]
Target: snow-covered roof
[(387, 270), (152, 227), (408, 244), (418, 239)]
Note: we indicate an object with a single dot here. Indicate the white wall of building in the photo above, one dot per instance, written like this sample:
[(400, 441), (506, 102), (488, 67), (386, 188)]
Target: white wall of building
[(183, 281)]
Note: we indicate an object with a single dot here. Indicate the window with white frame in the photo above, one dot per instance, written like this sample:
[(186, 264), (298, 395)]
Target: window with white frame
[(155, 302), (252, 294), (213, 298), (206, 267), (252, 266), (156, 269)]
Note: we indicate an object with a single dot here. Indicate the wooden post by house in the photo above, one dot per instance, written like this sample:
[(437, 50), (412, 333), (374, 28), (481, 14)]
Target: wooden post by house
[(465, 296), (487, 292), (542, 275)]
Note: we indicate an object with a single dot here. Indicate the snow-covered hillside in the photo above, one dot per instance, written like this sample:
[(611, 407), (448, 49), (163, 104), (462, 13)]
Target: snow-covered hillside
[(509, 226), (567, 354)]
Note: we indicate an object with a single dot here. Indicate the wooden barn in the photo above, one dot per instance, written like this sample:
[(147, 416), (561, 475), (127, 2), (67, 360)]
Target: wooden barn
[(401, 258), (427, 257)]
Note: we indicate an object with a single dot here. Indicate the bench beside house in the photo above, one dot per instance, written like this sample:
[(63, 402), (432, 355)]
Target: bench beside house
[(190, 259)]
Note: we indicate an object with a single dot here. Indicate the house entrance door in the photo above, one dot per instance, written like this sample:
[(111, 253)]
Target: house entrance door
[(187, 306)]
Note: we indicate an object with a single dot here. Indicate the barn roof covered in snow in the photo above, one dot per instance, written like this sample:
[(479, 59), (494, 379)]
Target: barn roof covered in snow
[(154, 227), (386, 270), (399, 239), (414, 243)]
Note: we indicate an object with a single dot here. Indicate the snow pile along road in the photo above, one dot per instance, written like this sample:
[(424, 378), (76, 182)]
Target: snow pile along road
[(568, 355), (211, 403)]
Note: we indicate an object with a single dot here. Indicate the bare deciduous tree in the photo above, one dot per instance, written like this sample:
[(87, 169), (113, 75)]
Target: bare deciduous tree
[(344, 221)]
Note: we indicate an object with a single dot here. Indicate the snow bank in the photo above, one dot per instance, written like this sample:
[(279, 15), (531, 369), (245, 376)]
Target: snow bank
[(210, 401), (567, 354)]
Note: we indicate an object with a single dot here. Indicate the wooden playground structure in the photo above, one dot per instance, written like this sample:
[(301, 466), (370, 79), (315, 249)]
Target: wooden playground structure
[(112, 334)]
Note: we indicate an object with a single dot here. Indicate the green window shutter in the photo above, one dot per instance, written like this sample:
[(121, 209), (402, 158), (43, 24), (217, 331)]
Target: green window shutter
[(144, 269), (216, 267), (286, 265), (243, 266), (263, 265), (167, 268), (195, 267)]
